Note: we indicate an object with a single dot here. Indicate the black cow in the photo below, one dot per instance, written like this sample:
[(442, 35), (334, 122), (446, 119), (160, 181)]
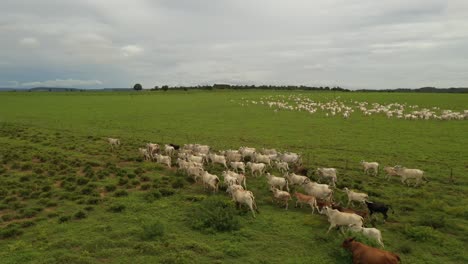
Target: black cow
[(378, 208), (176, 147)]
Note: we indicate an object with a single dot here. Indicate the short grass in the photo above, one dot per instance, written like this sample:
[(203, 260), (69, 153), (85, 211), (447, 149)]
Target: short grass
[(66, 198)]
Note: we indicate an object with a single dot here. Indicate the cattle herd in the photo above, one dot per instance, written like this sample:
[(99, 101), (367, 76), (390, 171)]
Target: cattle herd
[(337, 107), (192, 159)]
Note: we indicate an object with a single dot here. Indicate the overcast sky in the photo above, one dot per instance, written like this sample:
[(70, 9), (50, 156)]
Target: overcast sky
[(351, 43)]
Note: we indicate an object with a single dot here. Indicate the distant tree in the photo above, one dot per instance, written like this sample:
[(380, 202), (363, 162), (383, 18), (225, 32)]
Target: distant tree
[(137, 87), (165, 88), (185, 89), (156, 87)]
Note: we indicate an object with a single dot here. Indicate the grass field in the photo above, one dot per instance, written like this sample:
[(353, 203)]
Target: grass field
[(66, 198)]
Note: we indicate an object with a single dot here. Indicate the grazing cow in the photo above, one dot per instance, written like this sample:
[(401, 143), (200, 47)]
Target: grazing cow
[(363, 254), (328, 173), (374, 166), (256, 167), (152, 148), (279, 196), (210, 180), (390, 171), (364, 214), (375, 207), (113, 142), (169, 150), (410, 174), (295, 179), (355, 196), (144, 153), (176, 147), (308, 199), (372, 233), (337, 218), (238, 165), (245, 197), (282, 166), (274, 181), (217, 159), (163, 159), (321, 191)]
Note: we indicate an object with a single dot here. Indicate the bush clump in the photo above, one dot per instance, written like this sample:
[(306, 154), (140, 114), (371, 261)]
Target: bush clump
[(64, 219), (80, 215), (419, 233), (152, 231), (110, 187), (166, 191), (432, 220), (178, 183), (10, 232), (121, 193), (117, 208), (145, 186), (214, 214), (152, 196)]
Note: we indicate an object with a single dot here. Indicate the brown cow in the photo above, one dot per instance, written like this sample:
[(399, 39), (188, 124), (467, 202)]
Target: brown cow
[(364, 254), (308, 199), (364, 214), (322, 203)]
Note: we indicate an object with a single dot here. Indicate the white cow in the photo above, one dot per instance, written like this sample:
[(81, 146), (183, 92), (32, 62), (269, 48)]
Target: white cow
[(262, 158), (337, 218), (247, 152), (198, 159), (355, 196), (163, 159), (279, 195), (279, 182), (245, 197), (241, 179), (282, 166), (232, 188), (256, 167), (390, 171), (372, 233), (321, 191), (233, 155), (169, 150), (144, 153), (210, 180), (229, 179), (405, 174), (269, 151), (295, 179), (329, 174), (238, 165), (195, 172), (152, 148), (374, 166), (201, 149), (217, 159), (291, 158), (113, 142)]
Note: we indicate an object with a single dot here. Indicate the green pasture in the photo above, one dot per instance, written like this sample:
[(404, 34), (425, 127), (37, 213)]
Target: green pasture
[(66, 198)]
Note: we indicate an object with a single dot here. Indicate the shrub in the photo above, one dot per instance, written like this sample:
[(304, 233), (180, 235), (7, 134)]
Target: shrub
[(166, 192), (131, 176), (52, 215), (64, 219), (110, 187), (117, 208), (88, 208), (121, 193), (152, 196), (10, 232), (152, 231), (145, 186), (51, 204), (87, 190), (405, 249), (432, 220), (82, 181), (27, 224), (24, 178), (46, 188), (135, 182), (92, 201), (26, 167), (214, 213), (80, 215), (419, 233), (178, 183), (8, 217), (123, 181), (139, 171), (145, 178)]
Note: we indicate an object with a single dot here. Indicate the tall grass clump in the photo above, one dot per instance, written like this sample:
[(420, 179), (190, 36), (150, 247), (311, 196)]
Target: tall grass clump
[(214, 214)]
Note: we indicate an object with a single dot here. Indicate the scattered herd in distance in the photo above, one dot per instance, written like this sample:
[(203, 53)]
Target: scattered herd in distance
[(345, 109)]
